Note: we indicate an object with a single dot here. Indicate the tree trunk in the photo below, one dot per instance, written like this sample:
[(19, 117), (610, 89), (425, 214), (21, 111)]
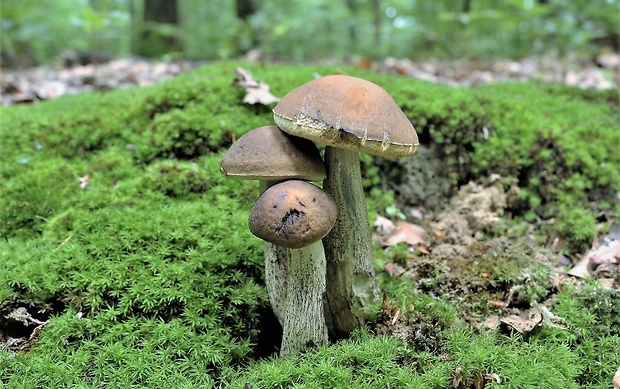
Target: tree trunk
[(353, 20), (244, 10), (376, 12), (156, 28)]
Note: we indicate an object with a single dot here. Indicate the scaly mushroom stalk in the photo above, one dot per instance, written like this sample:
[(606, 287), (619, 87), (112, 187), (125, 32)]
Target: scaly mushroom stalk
[(304, 319), (351, 283)]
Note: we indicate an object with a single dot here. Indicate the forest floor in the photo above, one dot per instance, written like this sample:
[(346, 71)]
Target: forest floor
[(49, 82), (445, 246)]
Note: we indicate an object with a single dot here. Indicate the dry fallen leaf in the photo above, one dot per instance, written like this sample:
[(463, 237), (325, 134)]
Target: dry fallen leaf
[(458, 376), (255, 92), (539, 316), (383, 226), (394, 270), (84, 181), (605, 254), (422, 250), (493, 377), (396, 315), (406, 232), (478, 380), (515, 323)]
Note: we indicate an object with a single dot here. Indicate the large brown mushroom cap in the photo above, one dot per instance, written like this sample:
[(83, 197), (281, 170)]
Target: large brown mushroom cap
[(292, 214), (347, 112), (267, 153)]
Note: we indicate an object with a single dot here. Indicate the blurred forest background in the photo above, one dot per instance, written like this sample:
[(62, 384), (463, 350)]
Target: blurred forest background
[(37, 32)]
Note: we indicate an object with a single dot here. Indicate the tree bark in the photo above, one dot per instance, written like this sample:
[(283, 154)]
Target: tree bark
[(376, 11), (353, 10), (155, 30)]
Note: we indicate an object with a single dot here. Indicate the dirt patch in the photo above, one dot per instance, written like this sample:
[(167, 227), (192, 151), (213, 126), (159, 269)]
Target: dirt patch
[(468, 256), (20, 325)]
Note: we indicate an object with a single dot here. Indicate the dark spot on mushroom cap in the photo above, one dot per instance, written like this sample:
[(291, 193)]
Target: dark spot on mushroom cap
[(290, 219)]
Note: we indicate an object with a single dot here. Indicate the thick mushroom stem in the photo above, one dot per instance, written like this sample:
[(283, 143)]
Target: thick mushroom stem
[(351, 282), (304, 322)]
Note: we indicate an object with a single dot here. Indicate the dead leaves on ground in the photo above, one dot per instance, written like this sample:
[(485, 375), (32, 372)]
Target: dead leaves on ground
[(478, 380), (256, 92), (390, 234), (602, 260)]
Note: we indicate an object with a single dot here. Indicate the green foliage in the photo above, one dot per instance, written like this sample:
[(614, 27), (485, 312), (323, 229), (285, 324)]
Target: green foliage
[(42, 29), (363, 361), (594, 316), (212, 30), (149, 276)]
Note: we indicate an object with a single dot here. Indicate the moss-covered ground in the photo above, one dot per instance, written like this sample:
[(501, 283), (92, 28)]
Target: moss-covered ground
[(117, 227)]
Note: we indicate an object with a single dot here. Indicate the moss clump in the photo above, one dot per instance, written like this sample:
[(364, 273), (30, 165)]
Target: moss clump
[(149, 276), (558, 142)]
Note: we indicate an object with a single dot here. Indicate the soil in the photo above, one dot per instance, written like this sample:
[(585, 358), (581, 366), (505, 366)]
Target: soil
[(466, 254)]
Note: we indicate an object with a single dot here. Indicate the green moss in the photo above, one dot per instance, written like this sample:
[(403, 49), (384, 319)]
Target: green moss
[(149, 276)]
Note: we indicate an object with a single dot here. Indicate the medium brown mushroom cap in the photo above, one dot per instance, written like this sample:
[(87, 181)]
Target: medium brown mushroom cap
[(267, 153), (347, 112), (293, 214)]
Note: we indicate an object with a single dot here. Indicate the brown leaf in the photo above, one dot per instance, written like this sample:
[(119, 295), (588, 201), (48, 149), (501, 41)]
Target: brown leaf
[(255, 92), (394, 270), (493, 377), (383, 226), (498, 303), (515, 323), (607, 253), (458, 376), (478, 380), (422, 250), (396, 315), (406, 232)]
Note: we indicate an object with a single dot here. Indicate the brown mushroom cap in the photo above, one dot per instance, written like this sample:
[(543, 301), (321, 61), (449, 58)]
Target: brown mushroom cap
[(292, 214), (267, 153), (347, 112)]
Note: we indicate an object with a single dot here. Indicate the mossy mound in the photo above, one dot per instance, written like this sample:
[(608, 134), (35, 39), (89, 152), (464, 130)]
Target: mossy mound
[(119, 229)]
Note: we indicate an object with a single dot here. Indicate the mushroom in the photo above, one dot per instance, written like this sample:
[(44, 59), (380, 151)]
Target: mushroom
[(269, 155), (297, 215), (349, 115)]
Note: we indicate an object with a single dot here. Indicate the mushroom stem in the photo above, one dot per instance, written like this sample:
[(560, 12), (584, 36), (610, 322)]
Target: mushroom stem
[(304, 322), (351, 282), (276, 258)]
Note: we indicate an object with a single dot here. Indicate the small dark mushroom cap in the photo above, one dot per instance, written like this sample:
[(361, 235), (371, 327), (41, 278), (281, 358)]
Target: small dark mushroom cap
[(267, 153), (350, 113), (293, 214)]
